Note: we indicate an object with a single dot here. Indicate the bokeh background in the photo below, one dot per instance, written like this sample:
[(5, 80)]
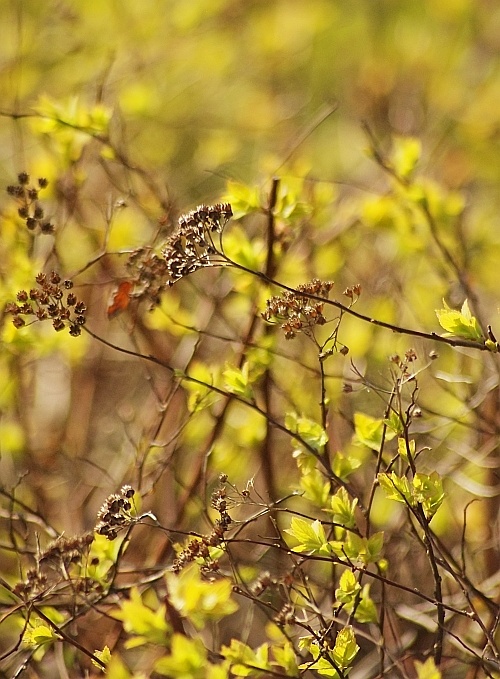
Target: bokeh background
[(138, 111)]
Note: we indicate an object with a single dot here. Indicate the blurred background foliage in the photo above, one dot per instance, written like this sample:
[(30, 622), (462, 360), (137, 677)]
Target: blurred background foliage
[(136, 112)]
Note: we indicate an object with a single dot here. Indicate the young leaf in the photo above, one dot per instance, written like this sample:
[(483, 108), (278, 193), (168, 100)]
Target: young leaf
[(39, 634), (309, 534), (343, 466), (348, 588), (342, 508), (104, 656), (244, 199), (236, 381), (187, 659), (459, 323), (346, 648), (200, 600), (366, 610), (144, 624), (308, 430), (286, 658), (396, 488), (405, 156), (428, 491), (315, 488), (369, 430), (427, 669), (403, 450), (246, 662)]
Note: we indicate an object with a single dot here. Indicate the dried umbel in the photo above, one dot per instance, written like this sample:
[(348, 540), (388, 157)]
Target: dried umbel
[(149, 275), (53, 299), (52, 567), (200, 547), (30, 209), (192, 245), (298, 313), (116, 513)]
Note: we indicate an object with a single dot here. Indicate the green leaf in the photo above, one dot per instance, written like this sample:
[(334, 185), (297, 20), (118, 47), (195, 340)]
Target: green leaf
[(346, 648), (365, 550), (199, 600), (39, 634), (348, 588), (403, 450), (104, 656), (239, 248), (342, 508), (427, 669), (286, 658), (200, 396), (344, 465), (187, 659), (236, 381), (144, 624), (396, 488), (309, 431), (369, 431), (244, 199), (246, 662), (309, 534), (428, 491), (315, 488), (394, 423), (342, 655), (459, 323), (366, 610)]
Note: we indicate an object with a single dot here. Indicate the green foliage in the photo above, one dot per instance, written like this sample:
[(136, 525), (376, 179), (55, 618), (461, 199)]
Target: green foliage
[(427, 669), (40, 633), (355, 598), (144, 624), (328, 663), (70, 126), (268, 418), (309, 431), (236, 381), (310, 536), (342, 508), (198, 600), (188, 660), (247, 662), (459, 323), (370, 430), (423, 489)]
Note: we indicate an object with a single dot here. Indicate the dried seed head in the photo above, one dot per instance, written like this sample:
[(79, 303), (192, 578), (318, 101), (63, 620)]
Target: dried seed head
[(296, 312), (49, 300)]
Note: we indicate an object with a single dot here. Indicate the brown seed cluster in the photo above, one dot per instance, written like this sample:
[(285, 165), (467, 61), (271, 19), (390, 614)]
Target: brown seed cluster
[(30, 209), (53, 564), (149, 274), (298, 313), (52, 300), (191, 246), (115, 513), (200, 547)]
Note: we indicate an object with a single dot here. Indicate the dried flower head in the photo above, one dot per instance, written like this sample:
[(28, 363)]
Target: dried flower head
[(296, 312), (30, 210), (53, 564), (53, 299), (116, 513), (149, 275), (200, 547), (192, 245)]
